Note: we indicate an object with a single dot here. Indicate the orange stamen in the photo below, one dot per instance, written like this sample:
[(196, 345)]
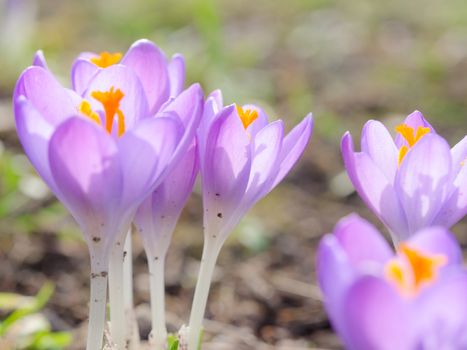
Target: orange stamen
[(411, 136), (412, 269), (106, 59), (111, 102), (247, 116)]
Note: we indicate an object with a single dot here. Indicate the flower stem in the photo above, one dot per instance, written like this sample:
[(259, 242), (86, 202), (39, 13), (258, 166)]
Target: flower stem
[(118, 329), (97, 305), (157, 285), (208, 263)]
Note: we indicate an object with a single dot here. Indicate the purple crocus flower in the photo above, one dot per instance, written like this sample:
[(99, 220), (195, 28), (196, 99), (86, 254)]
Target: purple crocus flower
[(412, 182), (242, 158), (378, 300), (105, 145)]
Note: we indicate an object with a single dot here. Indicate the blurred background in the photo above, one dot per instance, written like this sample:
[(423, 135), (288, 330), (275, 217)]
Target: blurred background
[(346, 61)]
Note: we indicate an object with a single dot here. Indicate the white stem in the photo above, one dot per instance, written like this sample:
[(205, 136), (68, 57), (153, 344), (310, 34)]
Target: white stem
[(157, 285), (208, 263), (97, 305), (128, 272), (118, 329)]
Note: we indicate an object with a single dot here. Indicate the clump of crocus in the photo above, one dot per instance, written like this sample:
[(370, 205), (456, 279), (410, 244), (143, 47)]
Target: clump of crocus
[(242, 158), (412, 182), (415, 298), (103, 147)]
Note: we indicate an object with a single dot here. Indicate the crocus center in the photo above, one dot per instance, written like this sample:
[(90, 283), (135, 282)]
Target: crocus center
[(247, 116), (412, 269), (110, 101), (410, 135), (106, 59)]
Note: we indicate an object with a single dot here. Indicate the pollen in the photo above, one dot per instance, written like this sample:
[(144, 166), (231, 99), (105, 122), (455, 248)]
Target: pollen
[(412, 269), (106, 59), (85, 109), (110, 101), (247, 116), (411, 136)]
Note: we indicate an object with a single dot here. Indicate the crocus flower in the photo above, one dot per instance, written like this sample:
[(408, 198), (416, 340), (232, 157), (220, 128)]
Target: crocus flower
[(155, 221), (412, 182), (103, 147), (242, 158), (413, 299)]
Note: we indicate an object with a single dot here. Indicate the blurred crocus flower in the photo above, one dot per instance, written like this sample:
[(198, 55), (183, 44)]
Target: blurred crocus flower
[(412, 182), (104, 146), (378, 300), (242, 158)]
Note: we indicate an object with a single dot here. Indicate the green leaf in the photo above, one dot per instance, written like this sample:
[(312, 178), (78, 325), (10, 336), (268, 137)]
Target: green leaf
[(50, 341), (37, 304), (172, 342)]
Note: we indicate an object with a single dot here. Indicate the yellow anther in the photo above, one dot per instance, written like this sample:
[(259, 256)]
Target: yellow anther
[(85, 109), (413, 269), (411, 137), (106, 59), (247, 116)]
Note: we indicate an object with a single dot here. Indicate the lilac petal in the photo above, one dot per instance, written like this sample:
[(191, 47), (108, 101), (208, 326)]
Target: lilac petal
[(374, 188), (82, 72), (150, 65), (84, 164), (259, 123), (377, 142), (335, 275), (292, 148), (45, 93), (187, 105), (376, 317), (34, 133), (414, 120), (362, 242), (225, 167), (210, 111), (176, 71), (158, 215), (39, 60), (145, 153), (265, 159), (133, 105), (455, 207), (423, 180), (442, 313), (437, 240)]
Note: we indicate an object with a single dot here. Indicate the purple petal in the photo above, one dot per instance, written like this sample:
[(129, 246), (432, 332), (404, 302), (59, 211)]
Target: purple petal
[(39, 60), (84, 164), (158, 215), (44, 92), (413, 120), (82, 73), (145, 153), (34, 133), (187, 105), (377, 142), (437, 240), (133, 105), (442, 313), (335, 275), (265, 159), (150, 65), (423, 180), (362, 242), (225, 167), (375, 317), (374, 188), (292, 148), (176, 71)]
